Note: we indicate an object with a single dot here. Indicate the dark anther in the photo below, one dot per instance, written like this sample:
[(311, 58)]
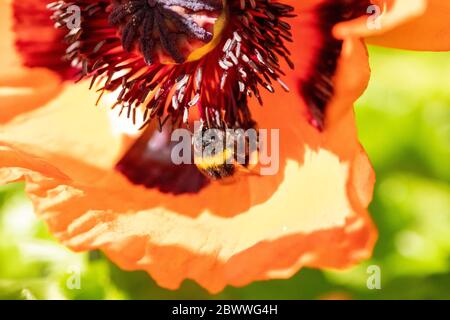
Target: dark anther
[(148, 22)]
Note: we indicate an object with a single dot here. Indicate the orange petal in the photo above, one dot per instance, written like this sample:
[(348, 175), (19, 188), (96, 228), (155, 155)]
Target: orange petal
[(316, 58), (22, 90), (313, 212), (68, 131), (8, 54), (406, 24)]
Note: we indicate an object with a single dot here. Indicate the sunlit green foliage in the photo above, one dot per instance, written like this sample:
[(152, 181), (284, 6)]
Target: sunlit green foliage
[(404, 124)]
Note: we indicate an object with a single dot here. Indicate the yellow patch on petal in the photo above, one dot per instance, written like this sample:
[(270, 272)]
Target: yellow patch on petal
[(24, 89), (321, 204), (60, 130)]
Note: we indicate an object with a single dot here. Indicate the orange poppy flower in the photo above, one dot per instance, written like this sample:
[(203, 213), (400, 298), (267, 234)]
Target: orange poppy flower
[(99, 188)]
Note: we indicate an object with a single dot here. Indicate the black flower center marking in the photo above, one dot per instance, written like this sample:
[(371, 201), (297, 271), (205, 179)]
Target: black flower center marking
[(150, 24)]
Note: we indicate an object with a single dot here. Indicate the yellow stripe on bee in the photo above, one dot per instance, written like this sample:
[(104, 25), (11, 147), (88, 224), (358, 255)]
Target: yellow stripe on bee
[(214, 161)]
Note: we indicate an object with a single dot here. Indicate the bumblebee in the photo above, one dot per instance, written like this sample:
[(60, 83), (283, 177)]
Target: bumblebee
[(223, 154)]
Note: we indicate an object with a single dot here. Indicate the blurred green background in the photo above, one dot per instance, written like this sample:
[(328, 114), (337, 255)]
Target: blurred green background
[(404, 124)]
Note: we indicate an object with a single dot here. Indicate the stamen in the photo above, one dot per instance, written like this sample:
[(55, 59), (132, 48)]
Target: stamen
[(247, 56)]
